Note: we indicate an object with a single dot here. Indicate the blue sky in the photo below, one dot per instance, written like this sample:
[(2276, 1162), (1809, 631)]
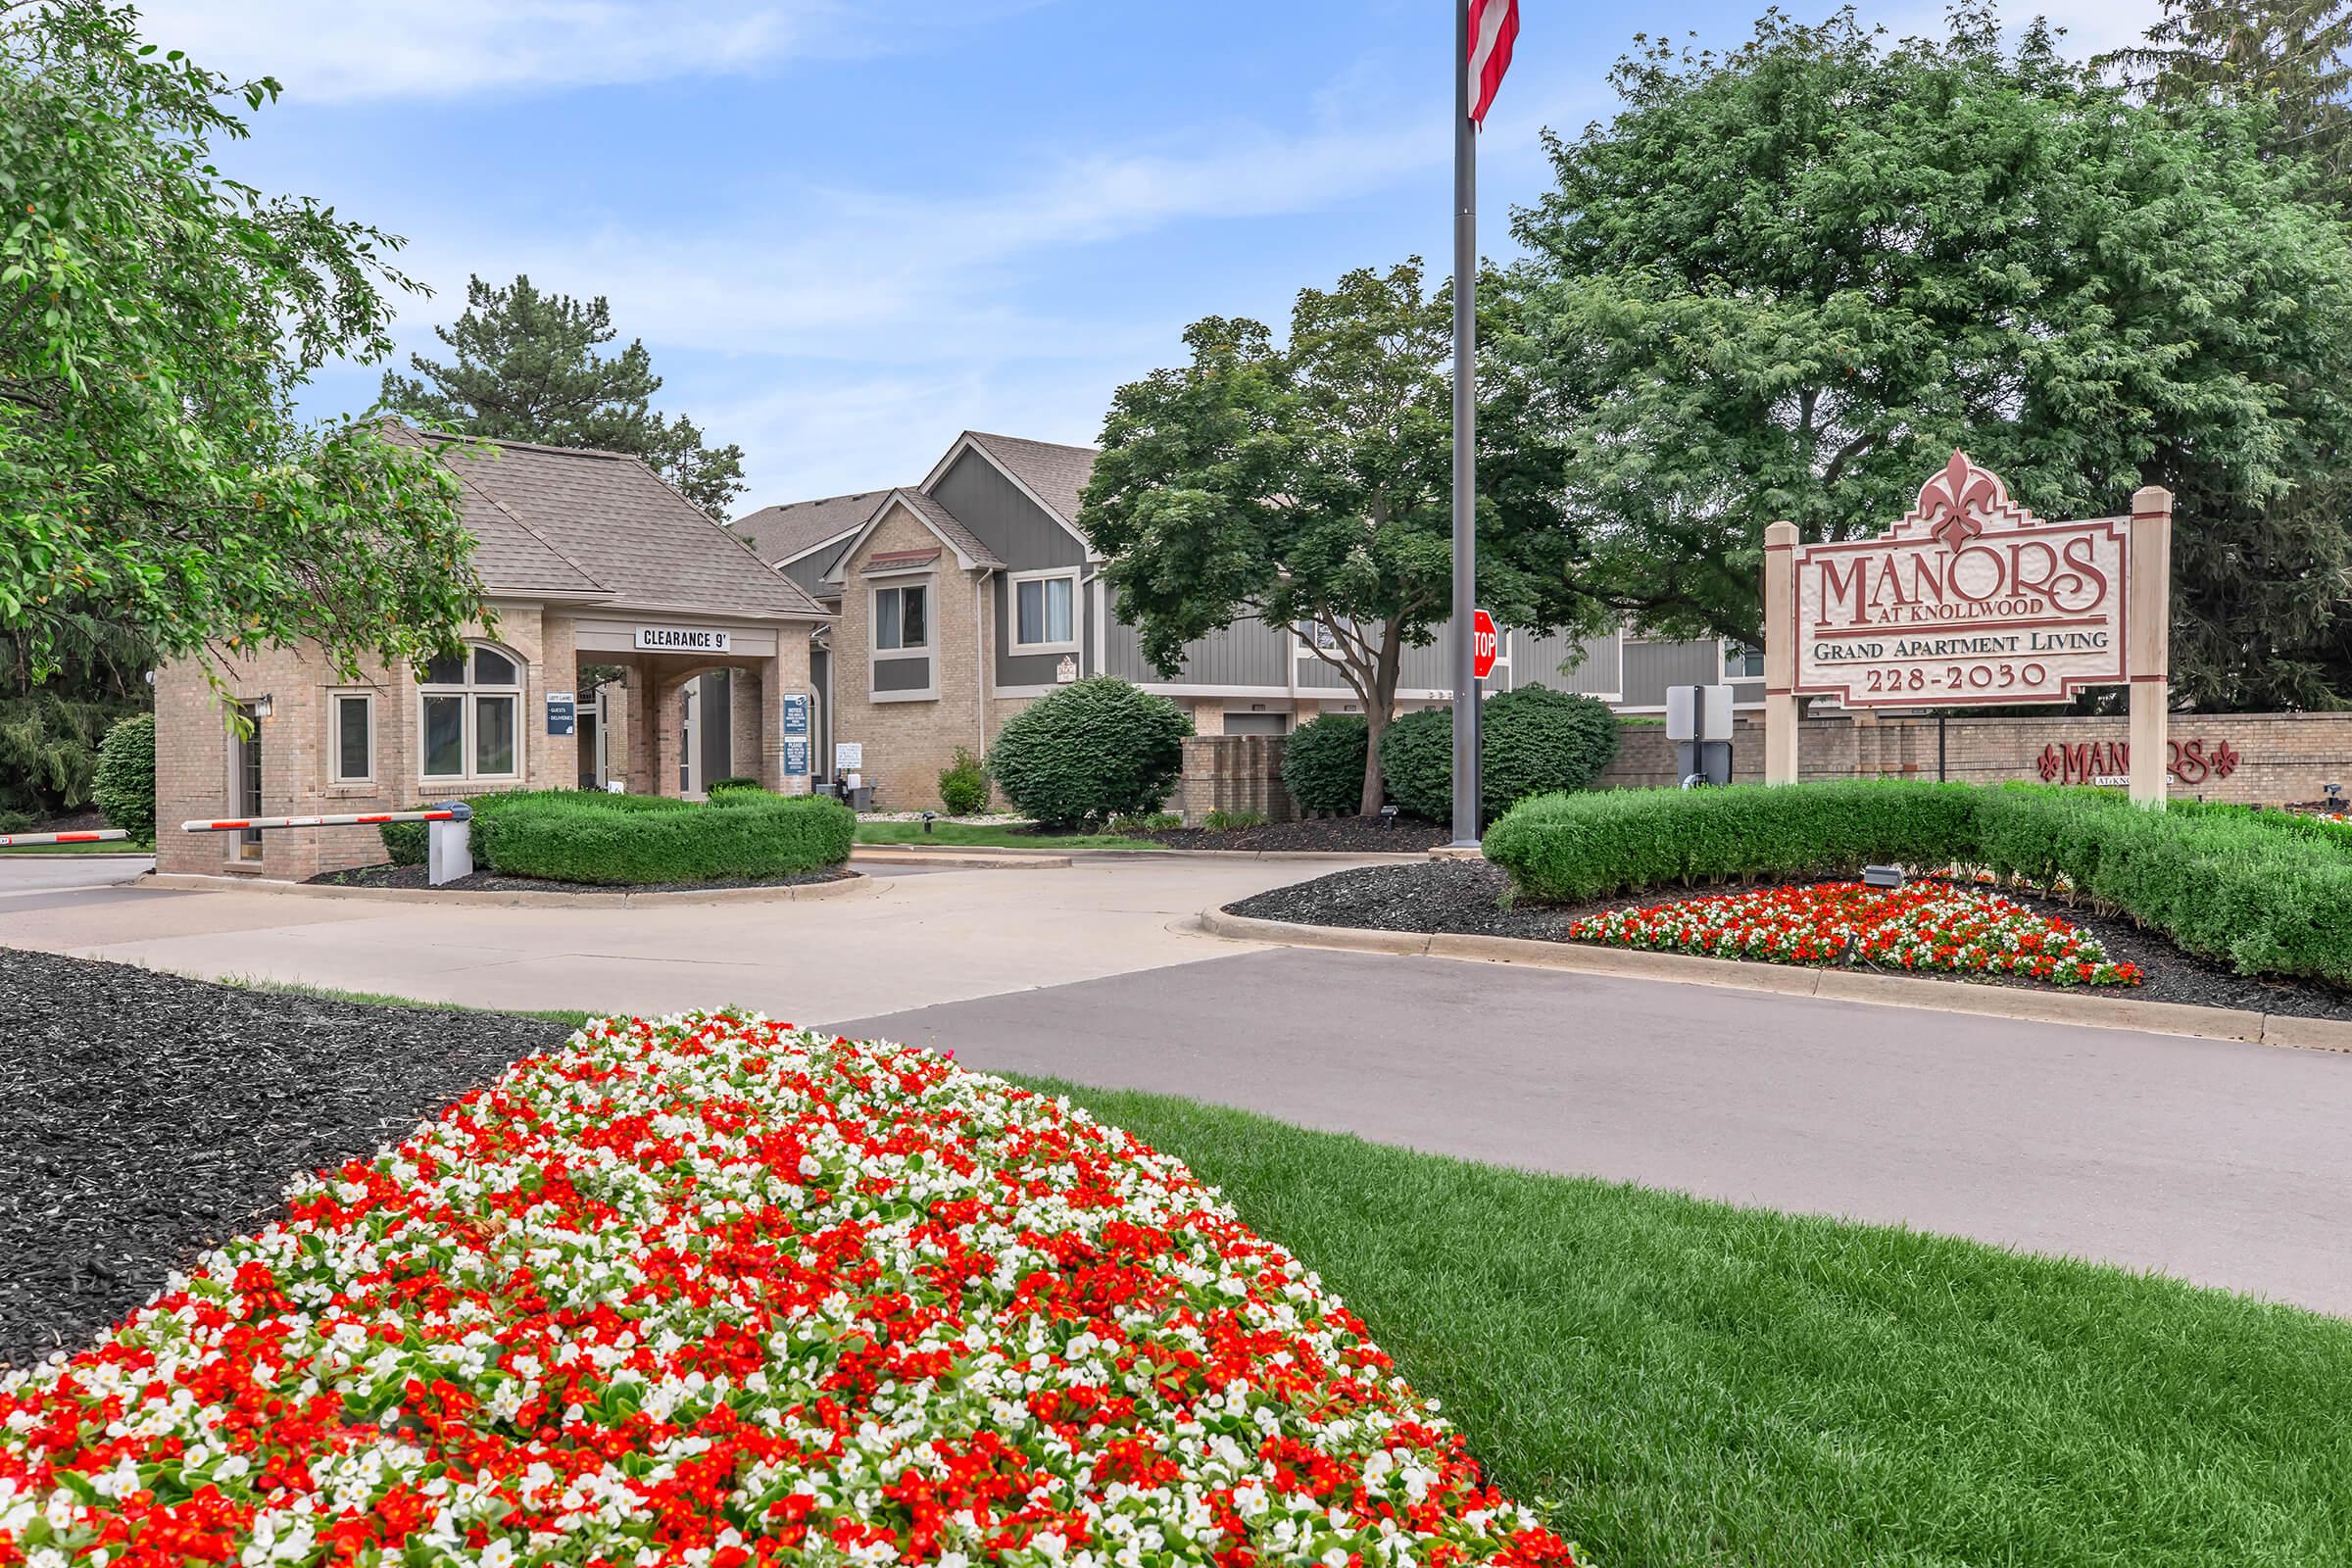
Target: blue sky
[(848, 231)]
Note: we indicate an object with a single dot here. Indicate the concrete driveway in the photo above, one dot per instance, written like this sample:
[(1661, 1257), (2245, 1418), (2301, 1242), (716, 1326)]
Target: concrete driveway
[(916, 939), (2224, 1163)]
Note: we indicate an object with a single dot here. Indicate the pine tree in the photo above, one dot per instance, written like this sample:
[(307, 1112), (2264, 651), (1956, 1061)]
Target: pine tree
[(526, 368), (2294, 56), (2261, 587)]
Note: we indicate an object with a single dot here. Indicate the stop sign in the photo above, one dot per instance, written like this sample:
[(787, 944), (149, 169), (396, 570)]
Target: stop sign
[(1484, 644)]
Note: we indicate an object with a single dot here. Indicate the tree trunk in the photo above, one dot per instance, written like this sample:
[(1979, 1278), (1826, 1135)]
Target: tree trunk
[(1379, 703)]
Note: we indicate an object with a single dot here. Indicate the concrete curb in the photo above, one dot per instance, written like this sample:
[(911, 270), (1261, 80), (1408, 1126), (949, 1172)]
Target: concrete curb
[(856, 884), (1840, 985), (969, 859), (1013, 852), (88, 855)]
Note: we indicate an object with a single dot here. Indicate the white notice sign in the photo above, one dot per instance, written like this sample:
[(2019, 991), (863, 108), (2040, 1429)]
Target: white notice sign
[(847, 756), (684, 639)]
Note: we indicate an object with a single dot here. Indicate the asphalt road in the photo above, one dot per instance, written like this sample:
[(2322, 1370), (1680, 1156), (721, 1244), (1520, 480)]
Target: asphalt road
[(2219, 1163)]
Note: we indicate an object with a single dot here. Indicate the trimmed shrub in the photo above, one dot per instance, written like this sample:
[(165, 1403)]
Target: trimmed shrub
[(1570, 848), (1532, 741), (405, 842), (125, 784), (736, 781), (963, 784), (1323, 762), (1092, 751), (2243, 888), (589, 838)]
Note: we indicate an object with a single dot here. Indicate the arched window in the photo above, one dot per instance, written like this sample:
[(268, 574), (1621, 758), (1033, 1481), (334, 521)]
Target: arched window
[(468, 716)]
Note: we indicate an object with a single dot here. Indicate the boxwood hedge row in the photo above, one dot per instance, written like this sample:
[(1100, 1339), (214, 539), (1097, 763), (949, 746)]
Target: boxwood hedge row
[(2261, 891), (632, 840)]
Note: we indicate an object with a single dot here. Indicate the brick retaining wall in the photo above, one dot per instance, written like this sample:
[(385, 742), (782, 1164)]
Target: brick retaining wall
[(1233, 773), (2256, 759)]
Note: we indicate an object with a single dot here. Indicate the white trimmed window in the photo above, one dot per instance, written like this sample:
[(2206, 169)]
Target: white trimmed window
[(351, 737), (470, 716), (1045, 612), (900, 658)]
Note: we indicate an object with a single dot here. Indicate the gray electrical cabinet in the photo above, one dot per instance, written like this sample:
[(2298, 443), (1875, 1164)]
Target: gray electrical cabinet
[(1699, 721)]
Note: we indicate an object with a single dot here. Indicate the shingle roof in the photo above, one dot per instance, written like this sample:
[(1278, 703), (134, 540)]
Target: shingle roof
[(777, 534), (1058, 473), (571, 523), (945, 524)]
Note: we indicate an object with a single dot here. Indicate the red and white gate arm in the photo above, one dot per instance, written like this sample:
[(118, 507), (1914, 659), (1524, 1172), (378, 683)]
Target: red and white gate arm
[(91, 836), (239, 825)]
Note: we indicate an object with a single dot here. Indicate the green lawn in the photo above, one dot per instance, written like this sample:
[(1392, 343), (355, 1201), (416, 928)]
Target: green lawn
[(1695, 1384), (993, 836)]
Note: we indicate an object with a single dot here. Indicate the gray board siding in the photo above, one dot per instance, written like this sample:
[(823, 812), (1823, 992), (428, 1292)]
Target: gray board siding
[(902, 674), (1247, 652), (1652, 667), (1536, 662), (810, 571), (1023, 535)]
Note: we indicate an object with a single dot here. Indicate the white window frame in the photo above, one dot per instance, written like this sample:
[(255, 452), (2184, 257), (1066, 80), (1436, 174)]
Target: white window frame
[(1013, 604), (877, 656), (335, 698), (469, 694)]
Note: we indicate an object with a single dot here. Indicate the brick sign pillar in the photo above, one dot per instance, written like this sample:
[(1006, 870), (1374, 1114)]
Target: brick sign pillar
[(2150, 638), (1780, 654)]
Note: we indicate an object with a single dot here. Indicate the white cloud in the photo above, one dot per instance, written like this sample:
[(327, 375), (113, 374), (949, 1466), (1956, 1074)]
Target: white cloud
[(355, 49)]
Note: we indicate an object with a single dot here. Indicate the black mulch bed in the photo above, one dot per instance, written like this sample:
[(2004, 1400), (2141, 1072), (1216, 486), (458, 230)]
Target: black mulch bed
[(144, 1118), (1335, 835), (416, 876), (1469, 897)]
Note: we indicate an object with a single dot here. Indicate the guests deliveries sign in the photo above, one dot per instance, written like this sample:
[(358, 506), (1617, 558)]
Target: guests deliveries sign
[(684, 639), (1969, 599)]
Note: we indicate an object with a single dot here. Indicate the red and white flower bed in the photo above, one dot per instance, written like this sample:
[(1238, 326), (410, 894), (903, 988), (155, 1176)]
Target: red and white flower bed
[(712, 1290), (1929, 926)]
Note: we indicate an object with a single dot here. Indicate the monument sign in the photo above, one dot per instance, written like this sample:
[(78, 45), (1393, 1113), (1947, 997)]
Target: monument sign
[(1971, 600)]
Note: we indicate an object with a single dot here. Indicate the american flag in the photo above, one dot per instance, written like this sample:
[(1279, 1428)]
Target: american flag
[(1494, 23)]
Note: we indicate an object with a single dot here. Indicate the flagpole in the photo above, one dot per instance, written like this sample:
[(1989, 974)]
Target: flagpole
[(1465, 504)]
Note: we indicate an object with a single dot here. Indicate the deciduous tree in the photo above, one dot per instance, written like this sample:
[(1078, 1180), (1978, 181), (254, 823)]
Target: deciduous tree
[(1787, 281), (1308, 485), (156, 320)]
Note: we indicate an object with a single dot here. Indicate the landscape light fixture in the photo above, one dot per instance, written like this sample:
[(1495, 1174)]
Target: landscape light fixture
[(1882, 876), (2336, 798), (1388, 816), (928, 818)]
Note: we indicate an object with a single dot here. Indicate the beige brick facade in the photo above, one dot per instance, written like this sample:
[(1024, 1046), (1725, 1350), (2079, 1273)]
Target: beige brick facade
[(908, 739), (194, 749)]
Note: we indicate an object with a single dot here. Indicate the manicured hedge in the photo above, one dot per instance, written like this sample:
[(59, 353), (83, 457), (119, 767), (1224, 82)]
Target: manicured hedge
[(2257, 890), (589, 836), (746, 836), (1095, 749), (1532, 742), (124, 785), (1323, 762)]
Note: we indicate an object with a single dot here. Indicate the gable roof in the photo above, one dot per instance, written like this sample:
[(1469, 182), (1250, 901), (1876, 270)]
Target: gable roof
[(578, 525), (786, 533), (1055, 474), (969, 551)]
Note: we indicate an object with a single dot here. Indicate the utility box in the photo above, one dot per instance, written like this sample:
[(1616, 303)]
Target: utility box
[(1699, 721)]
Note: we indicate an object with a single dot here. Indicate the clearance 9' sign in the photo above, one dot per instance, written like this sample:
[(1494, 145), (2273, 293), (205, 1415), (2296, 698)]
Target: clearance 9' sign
[(1968, 601)]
